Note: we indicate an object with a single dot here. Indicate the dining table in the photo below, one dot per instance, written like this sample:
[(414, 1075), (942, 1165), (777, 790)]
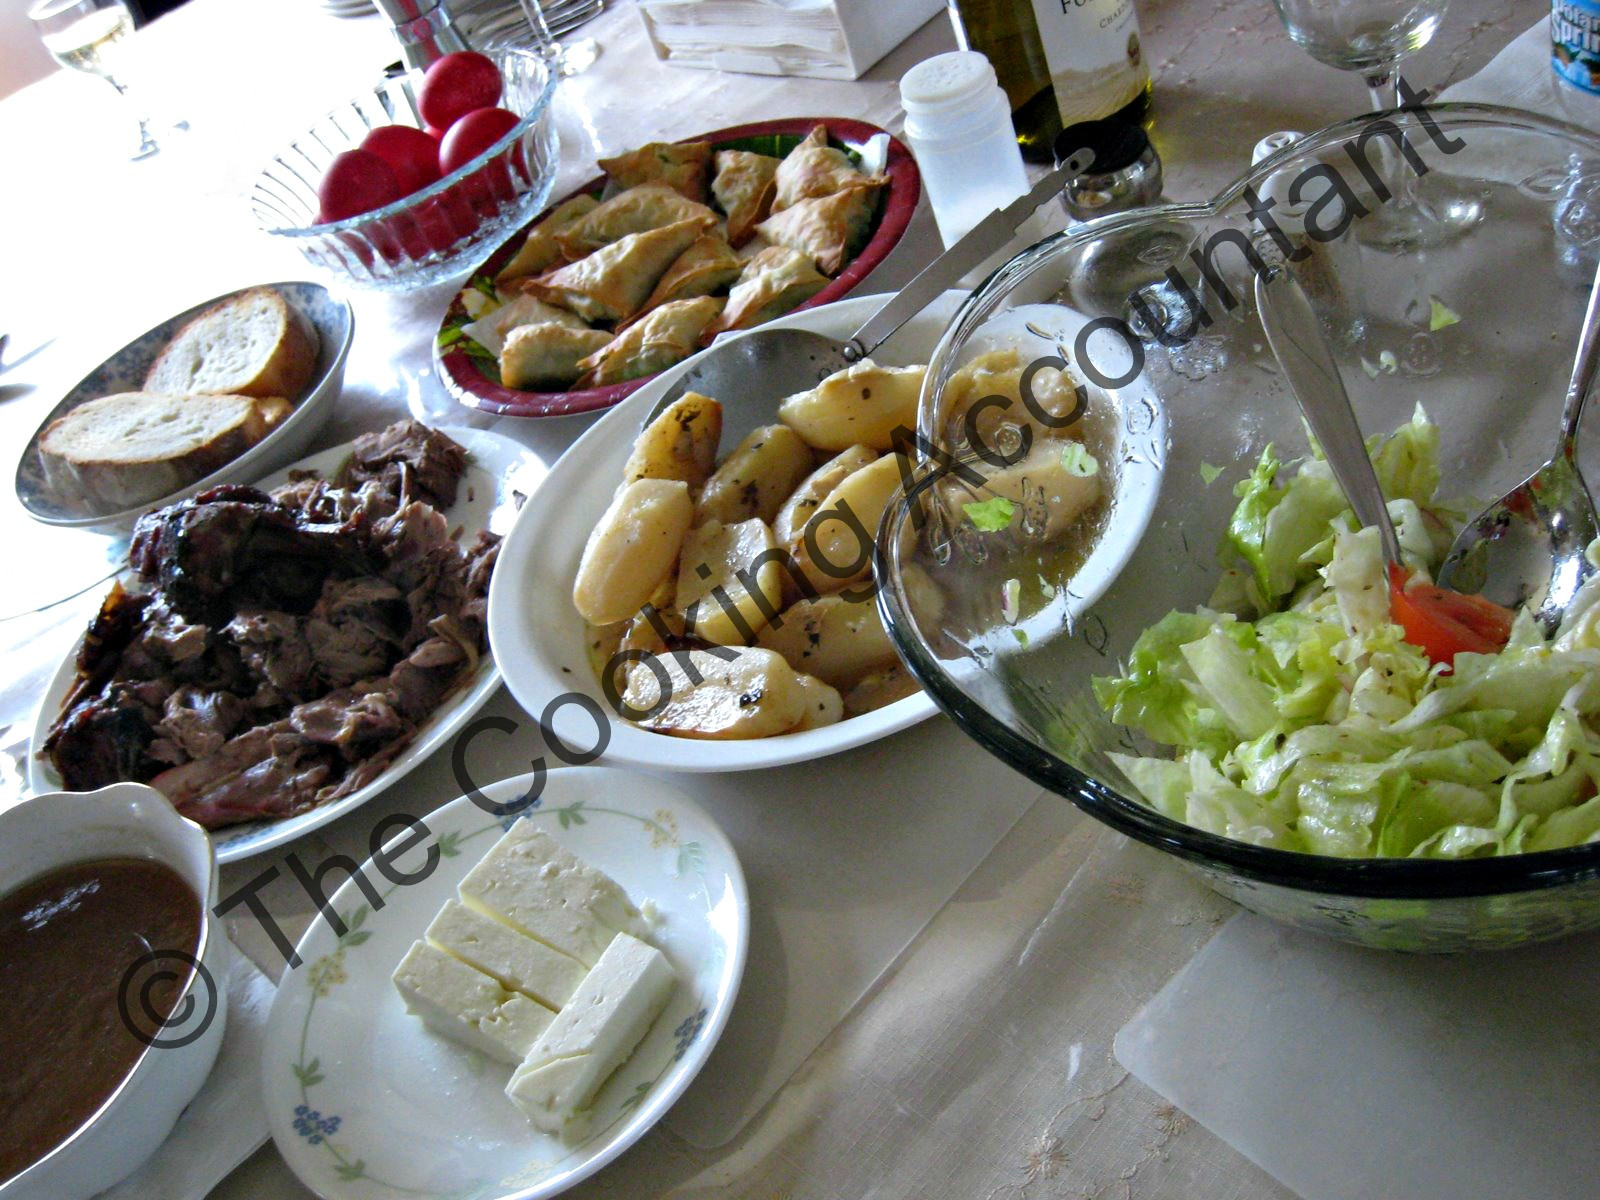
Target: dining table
[(942, 955)]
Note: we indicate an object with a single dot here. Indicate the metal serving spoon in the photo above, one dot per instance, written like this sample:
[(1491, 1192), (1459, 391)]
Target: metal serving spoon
[(1528, 546), (786, 361), (1302, 351)]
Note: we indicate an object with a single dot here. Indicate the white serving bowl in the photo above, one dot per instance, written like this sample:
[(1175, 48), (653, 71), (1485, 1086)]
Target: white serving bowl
[(58, 829), (538, 637), (125, 370)]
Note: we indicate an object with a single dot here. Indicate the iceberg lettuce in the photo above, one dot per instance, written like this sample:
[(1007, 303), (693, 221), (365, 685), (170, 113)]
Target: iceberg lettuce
[(1314, 726)]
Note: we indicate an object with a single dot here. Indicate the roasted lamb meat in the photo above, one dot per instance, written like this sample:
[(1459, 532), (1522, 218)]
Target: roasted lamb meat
[(286, 646)]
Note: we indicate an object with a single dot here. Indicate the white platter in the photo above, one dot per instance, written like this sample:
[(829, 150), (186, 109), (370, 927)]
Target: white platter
[(537, 636), (365, 1103), (499, 474)]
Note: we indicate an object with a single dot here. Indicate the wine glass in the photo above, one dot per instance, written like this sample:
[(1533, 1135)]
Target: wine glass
[(495, 24), (1371, 37), (84, 35)]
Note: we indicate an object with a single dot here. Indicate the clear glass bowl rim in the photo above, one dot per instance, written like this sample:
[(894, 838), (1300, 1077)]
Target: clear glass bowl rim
[(1376, 878), (439, 186)]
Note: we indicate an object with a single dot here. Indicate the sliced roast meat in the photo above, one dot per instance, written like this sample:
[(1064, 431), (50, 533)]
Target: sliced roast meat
[(357, 629), (275, 650), (354, 722), (102, 740), (426, 676), (234, 547), (346, 651), (197, 723), (194, 779), (289, 645), (413, 461), (119, 620), (276, 787)]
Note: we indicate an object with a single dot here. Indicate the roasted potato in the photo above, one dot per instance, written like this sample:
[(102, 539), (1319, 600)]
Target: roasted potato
[(924, 597), (632, 549), (601, 643), (756, 478), (835, 549), (755, 695), (642, 634), (813, 490), (880, 688), (1047, 487), (681, 443), (999, 373), (824, 706), (861, 405), (726, 595), (835, 639)]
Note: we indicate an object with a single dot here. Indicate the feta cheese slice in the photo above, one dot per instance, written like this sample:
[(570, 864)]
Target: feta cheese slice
[(592, 1035), (467, 1006), (515, 960), (528, 881)]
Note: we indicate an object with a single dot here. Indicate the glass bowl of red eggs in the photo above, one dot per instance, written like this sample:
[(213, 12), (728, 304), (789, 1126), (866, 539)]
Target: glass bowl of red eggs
[(412, 183)]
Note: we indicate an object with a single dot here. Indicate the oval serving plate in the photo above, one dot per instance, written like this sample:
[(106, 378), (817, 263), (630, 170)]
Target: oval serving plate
[(538, 637), (499, 475), (365, 1103), (125, 370), (460, 372)]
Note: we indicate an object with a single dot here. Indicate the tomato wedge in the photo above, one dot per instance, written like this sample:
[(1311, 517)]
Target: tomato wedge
[(1445, 623)]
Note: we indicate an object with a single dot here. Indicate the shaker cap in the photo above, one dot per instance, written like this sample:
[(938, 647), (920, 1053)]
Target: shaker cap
[(946, 80)]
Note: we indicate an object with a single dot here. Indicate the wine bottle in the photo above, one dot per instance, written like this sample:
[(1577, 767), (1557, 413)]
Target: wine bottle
[(1059, 61)]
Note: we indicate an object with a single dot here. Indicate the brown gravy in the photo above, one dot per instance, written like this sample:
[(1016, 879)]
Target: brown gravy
[(66, 939)]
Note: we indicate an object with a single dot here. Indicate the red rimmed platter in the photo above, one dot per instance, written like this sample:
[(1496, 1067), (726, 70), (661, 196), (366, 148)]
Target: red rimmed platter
[(466, 380)]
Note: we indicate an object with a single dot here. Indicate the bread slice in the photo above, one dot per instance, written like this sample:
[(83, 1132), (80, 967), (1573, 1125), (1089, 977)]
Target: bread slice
[(254, 344), (133, 447)]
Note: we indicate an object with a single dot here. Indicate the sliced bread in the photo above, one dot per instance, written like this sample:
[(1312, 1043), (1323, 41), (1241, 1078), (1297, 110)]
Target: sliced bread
[(253, 344), (134, 447)]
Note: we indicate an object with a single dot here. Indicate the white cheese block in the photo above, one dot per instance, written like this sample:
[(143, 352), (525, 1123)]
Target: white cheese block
[(467, 1006), (515, 960), (531, 883), (593, 1034)]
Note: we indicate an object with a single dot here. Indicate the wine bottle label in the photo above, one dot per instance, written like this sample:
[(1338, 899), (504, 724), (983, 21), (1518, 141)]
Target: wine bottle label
[(1096, 60), (1575, 42)]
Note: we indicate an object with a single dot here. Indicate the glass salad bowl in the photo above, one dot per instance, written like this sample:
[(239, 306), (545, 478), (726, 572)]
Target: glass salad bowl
[(439, 231), (1386, 824)]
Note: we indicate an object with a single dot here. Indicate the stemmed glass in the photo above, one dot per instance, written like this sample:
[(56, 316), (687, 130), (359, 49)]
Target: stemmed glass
[(569, 57), (495, 24), (84, 35), (1371, 37)]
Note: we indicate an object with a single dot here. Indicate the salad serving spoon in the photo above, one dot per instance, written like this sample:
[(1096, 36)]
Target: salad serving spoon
[(1302, 351), (792, 360), (1528, 547)]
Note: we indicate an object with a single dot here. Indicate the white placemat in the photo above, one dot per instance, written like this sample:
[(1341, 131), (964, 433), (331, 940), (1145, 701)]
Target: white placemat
[(226, 1121), (847, 860), (1354, 1074)]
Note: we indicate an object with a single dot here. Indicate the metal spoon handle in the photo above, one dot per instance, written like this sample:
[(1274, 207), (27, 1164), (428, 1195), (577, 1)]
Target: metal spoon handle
[(986, 237), (1296, 339), (1583, 368)]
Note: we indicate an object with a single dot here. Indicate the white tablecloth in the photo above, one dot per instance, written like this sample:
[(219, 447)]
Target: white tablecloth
[(980, 1063)]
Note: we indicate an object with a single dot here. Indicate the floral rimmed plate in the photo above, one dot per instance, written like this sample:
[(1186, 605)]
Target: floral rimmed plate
[(366, 1104), (500, 474)]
